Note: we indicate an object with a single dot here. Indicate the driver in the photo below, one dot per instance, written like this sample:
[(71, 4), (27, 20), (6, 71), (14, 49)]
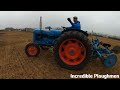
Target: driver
[(76, 24)]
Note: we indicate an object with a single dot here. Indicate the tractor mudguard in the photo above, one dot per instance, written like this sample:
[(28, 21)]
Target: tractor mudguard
[(84, 32)]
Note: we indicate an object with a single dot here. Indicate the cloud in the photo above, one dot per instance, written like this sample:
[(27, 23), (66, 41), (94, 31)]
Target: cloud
[(99, 21)]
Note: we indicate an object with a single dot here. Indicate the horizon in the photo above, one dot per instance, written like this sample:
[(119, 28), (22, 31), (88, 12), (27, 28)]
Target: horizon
[(107, 22)]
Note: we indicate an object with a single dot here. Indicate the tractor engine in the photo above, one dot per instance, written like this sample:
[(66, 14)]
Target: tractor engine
[(45, 38)]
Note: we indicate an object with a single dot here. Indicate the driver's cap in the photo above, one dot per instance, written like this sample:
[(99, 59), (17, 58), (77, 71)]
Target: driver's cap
[(75, 17)]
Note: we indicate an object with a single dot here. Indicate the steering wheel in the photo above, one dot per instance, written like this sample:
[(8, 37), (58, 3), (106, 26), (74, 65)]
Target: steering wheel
[(65, 27)]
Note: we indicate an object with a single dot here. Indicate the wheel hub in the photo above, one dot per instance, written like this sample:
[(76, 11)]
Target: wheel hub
[(32, 50), (72, 51)]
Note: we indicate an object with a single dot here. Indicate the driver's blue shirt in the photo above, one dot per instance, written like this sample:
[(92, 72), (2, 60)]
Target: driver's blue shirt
[(76, 25)]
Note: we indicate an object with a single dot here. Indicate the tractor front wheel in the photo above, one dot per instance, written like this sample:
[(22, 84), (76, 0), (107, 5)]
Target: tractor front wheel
[(72, 50), (32, 50)]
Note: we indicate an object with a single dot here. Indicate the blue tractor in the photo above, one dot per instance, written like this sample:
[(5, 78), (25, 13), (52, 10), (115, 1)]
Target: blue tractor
[(71, 47)]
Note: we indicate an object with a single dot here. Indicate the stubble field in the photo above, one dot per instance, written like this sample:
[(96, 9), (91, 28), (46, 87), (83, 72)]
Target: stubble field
[(14, 64)]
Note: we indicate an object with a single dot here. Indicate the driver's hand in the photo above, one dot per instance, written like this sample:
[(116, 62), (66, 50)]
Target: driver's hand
[(68, 19), (63, 27)]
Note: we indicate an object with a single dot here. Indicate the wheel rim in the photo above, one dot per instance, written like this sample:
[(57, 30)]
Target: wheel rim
[(32, 50), (72, 52)]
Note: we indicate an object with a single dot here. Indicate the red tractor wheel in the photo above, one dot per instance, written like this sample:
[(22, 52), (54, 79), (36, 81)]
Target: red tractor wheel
[(72, 50), (32, 50)]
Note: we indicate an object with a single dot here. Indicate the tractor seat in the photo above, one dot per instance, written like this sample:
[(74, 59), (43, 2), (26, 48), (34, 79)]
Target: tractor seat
[(106, 45)]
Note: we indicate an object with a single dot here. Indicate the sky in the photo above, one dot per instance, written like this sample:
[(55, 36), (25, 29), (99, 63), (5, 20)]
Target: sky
[(107, 22)]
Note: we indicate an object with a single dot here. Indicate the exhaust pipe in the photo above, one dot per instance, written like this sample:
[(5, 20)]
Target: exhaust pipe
[(40, 23)]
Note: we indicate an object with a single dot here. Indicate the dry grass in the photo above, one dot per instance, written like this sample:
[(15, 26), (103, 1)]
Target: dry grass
[(14, 64)]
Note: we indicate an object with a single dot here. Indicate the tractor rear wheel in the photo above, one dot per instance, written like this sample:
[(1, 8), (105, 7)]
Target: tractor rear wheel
[(72, 50), (32, 50)]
